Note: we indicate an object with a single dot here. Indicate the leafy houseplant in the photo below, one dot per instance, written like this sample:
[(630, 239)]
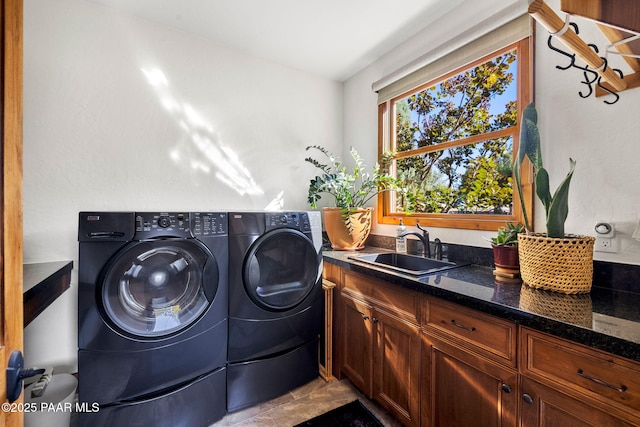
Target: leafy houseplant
[(508, 235), (351, 189), (555, 261), (505, 250)]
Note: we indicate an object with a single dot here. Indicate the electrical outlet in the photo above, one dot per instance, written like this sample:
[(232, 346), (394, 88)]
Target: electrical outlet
[(605, 244)]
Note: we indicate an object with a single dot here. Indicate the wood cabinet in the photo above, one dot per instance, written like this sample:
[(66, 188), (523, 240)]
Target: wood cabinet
[(481, 333), (468, 375), (434, 363), (567, 384), (396, 380), (460, 389), (357, 343), (381, 345)]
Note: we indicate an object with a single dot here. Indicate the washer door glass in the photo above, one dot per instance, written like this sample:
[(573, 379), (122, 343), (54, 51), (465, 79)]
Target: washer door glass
[(280, 269), (156, 288)]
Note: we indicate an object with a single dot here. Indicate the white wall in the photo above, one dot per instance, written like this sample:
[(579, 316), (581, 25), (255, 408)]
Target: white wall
[(227, 132), (601, 138), (97, 136)]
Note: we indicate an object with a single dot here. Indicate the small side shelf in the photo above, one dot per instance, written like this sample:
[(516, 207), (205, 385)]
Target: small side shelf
[(44, 282)]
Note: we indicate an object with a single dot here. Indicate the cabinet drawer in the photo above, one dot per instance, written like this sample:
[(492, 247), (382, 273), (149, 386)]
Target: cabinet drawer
[(488, 335), (575, 366), (358, 285), (402, 302)]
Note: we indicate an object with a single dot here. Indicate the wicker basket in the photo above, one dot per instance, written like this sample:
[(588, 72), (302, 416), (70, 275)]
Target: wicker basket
[(560, 265), (575, 309)]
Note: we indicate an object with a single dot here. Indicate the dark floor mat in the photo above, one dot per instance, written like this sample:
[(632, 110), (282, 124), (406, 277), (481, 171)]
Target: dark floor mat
[(352, 414)]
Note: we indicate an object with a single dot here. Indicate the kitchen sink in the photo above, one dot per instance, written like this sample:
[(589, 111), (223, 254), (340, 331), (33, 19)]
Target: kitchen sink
[(406, 264)]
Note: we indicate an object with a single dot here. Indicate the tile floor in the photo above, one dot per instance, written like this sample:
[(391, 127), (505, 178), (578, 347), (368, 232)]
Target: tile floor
[(301, 404)]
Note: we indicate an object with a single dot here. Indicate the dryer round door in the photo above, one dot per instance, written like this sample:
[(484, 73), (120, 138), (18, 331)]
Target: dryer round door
[(280, 269), (157, 288)]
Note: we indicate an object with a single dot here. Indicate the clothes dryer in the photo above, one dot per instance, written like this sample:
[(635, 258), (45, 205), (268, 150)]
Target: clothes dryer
[(152, 317), (275, 304)]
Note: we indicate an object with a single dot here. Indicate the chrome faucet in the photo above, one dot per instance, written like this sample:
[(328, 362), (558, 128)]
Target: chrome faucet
[(424, 237)]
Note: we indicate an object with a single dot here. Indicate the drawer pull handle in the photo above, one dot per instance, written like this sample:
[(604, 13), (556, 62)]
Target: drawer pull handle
[(506, 388), (365, 317), (527, 398), (466, 328), (620, 389), (375, 320)]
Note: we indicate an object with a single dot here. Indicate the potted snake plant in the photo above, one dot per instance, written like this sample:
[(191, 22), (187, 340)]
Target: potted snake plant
[(348, 222), (553, 260)]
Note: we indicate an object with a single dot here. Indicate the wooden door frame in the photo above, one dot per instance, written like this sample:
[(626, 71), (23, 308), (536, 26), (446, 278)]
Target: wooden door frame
[(11, 309)]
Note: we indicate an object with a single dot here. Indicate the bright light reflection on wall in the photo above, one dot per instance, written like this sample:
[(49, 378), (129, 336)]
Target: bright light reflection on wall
[(202, 150), (277, 203)]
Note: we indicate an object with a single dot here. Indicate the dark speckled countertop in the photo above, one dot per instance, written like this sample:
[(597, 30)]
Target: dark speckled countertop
[(605, 319)]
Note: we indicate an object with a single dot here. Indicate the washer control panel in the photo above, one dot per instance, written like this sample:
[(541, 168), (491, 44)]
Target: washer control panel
[(157, 224), (209, 224)]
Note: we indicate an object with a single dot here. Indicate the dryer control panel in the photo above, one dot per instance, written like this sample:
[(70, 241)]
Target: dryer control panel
[(150, 225), (297, 220)]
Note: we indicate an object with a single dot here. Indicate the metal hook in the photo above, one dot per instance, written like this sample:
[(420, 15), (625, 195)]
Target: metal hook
[(610, 91), (569, 55), (588, 82), (621, 74), (586, 71), (607, 89), (591, 75)]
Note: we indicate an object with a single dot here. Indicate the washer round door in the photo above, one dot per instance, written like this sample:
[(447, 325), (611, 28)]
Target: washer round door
[(280, 269), (157, 288)]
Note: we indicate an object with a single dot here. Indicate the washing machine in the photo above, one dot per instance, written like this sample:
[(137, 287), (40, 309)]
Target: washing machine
[(152, 318), (275, 304)]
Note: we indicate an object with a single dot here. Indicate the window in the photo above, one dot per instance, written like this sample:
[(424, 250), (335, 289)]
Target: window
[(453, 139)]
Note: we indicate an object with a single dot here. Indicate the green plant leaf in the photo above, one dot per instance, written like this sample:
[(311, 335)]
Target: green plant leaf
[(529, 143), (532, 148), (508, 235), (542, 188), (351, 189), (559, 208), (530, 137)]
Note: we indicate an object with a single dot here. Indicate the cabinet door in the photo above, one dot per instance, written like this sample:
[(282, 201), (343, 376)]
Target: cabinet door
[(396, 359), (357, 343), (544, 406), (461, 389)]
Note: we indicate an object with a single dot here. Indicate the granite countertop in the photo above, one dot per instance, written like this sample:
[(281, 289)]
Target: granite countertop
[(605, 318)]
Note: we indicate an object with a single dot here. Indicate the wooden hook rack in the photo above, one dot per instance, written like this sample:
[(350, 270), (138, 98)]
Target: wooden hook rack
[(617, 19)]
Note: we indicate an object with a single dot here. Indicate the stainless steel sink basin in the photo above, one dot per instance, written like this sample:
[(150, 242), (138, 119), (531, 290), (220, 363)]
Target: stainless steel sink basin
[(406, 264)]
